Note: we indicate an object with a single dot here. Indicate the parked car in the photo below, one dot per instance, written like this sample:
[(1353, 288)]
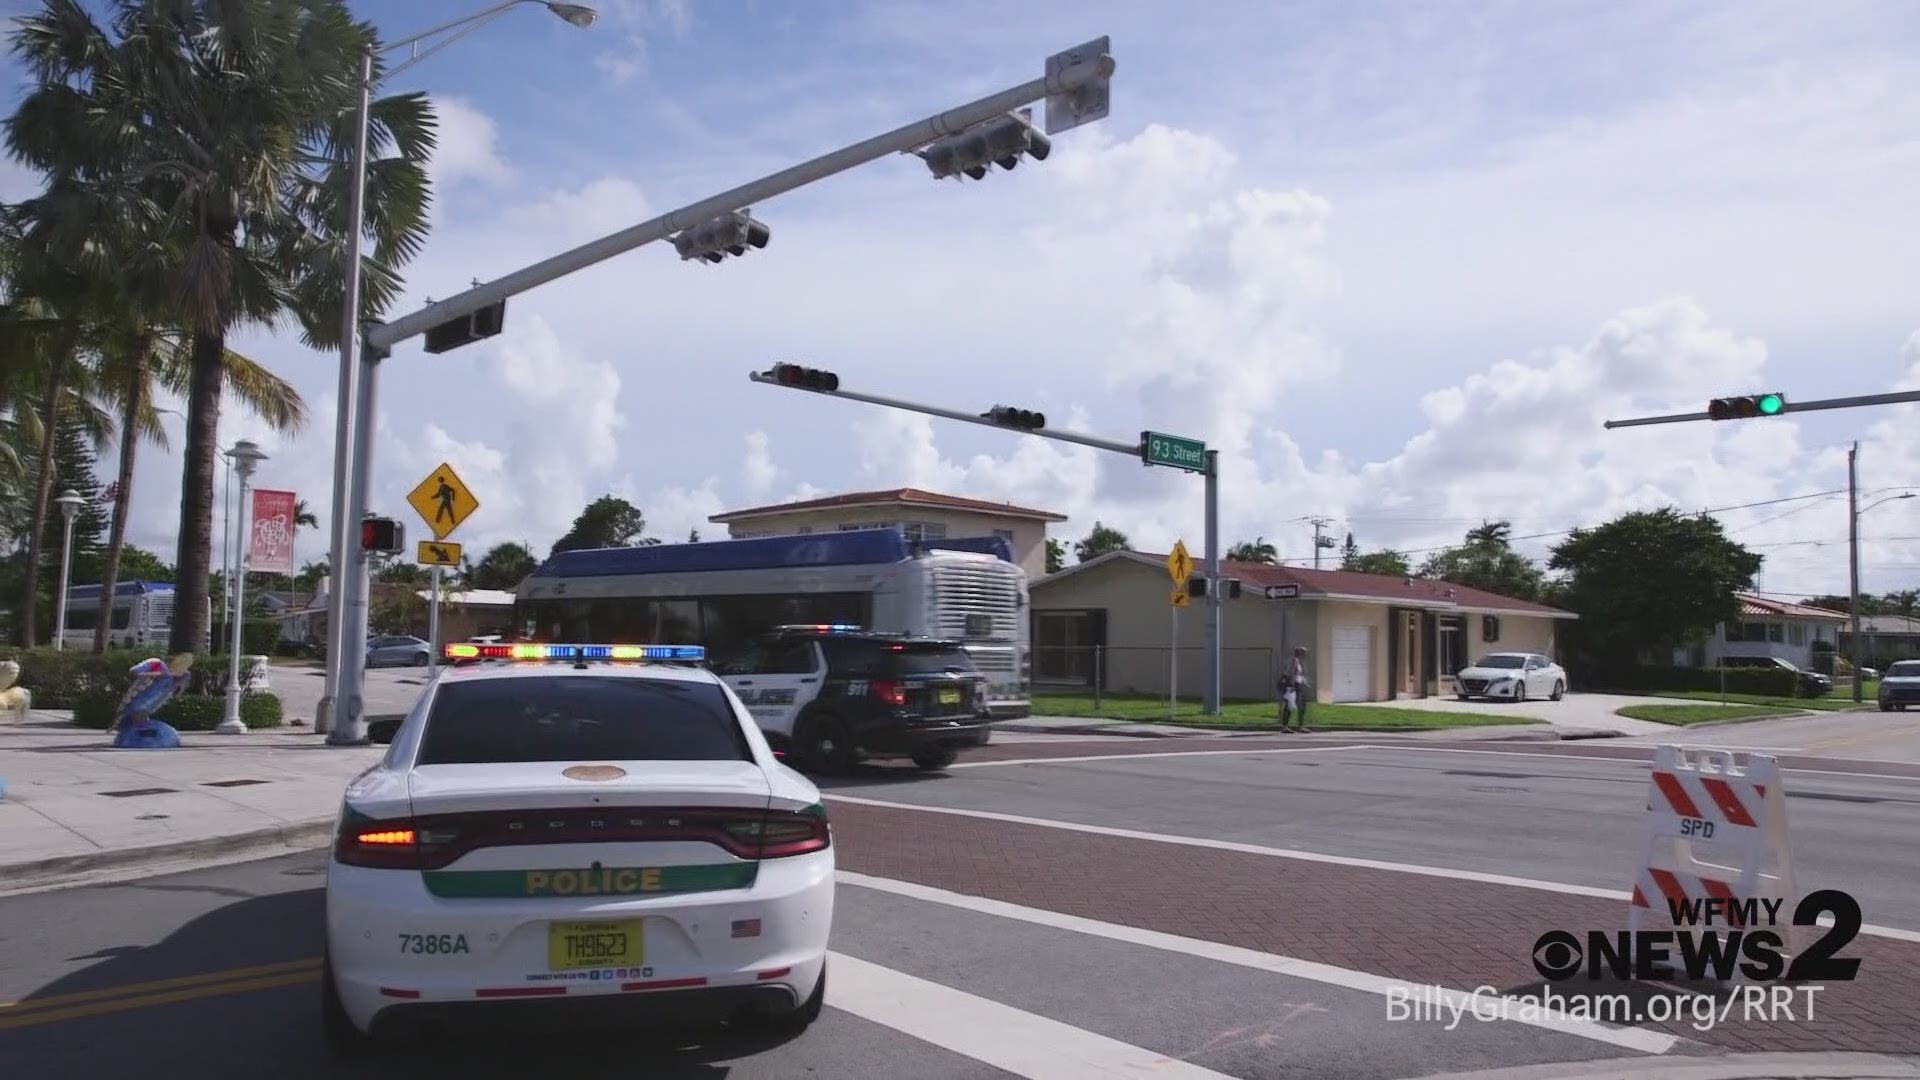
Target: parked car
[(1900, 686), (397, 650), (1512, 677), (1812, 683)]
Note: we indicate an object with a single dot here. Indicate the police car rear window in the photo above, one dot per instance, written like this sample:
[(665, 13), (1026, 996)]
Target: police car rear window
[(870, 659), (580, 718)]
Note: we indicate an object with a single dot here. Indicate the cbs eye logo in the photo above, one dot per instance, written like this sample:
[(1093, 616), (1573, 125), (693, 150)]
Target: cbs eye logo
[(1557, 955)]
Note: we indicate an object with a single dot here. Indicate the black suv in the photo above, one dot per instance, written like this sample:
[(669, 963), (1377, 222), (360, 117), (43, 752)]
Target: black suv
[(830, 696), (1812, 683)]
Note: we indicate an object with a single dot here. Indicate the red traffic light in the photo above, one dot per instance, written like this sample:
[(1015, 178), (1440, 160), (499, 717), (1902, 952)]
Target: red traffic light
[(382, 535), (805, 378)]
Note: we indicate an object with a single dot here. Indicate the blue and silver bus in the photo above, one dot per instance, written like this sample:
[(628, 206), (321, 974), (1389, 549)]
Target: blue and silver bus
[(142, 614), (722, 593)]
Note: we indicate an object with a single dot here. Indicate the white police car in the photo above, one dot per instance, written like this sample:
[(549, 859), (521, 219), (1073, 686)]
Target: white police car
[(594, 831)]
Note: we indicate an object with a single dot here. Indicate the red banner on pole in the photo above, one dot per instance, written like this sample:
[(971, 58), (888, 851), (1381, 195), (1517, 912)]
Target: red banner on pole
[(272, 549)]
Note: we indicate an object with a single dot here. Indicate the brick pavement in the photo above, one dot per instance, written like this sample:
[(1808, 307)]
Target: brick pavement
[(1458, 934)]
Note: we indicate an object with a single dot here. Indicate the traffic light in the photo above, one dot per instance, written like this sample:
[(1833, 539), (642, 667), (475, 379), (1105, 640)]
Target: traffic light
[(1025, 420), (1746, 407), (382, 535), (467, 329), (805, 378), (999, 141), (728, 234)]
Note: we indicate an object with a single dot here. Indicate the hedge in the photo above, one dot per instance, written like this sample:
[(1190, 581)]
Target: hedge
[(91, 684), (258, 637), (1761, 681)]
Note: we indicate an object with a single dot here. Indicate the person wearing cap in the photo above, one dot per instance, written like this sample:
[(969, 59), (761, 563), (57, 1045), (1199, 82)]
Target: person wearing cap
[(1294, 688)]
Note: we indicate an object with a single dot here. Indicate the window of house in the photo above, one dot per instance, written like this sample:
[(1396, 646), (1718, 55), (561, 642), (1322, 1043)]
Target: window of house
[(850, 526), (1796, 633), (1776, 632), (924, 530)]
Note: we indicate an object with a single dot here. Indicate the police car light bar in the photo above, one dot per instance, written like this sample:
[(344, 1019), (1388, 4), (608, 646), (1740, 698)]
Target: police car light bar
[(830, 628), (536, 651)]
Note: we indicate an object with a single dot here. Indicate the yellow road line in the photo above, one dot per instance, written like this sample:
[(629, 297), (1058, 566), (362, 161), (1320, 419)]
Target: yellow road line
[(9, 1009), (244, 986)]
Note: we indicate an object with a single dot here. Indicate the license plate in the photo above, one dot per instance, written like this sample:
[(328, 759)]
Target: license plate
[(949, 697), (594, 944)]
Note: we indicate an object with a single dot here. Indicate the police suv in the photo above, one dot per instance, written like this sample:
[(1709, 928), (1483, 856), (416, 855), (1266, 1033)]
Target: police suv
[(831, 695)]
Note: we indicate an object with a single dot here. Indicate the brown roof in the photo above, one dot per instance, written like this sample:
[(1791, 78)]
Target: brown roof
[(1752, 604), (1333, 584), (893, 497)]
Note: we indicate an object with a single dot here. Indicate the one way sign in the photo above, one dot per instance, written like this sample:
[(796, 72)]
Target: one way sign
[(438, 553), (1283, 592)]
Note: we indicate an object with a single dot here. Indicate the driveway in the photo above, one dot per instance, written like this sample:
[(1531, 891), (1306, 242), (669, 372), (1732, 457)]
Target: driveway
[(1575, 712)]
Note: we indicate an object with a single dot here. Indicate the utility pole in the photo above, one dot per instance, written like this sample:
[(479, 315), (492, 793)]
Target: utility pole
[(1211, 700), (1321, 542), (1853, 565)]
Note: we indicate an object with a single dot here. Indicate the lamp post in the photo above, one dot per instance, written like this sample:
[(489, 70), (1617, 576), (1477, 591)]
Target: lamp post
[(353, 414), (69, 501), (245, 457), (1853, 570)]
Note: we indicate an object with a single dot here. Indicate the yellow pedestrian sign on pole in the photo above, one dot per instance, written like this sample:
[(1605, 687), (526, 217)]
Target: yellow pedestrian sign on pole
[(1179, 598), (1179, 564), (442, 501), (438, 553)]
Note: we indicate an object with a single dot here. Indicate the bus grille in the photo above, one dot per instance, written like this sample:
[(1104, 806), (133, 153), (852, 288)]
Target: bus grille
[(976, 598)]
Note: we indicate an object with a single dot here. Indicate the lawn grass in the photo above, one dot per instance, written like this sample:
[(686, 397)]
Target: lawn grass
[(1841, 698), (1265, 714), (1682, 715)]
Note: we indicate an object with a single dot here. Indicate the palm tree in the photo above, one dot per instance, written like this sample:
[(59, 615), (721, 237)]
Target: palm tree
[(228, 125), (303, 517), (1256, 550)]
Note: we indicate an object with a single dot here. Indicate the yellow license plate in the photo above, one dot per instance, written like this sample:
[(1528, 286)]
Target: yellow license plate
[(949, 697), (594, 944)]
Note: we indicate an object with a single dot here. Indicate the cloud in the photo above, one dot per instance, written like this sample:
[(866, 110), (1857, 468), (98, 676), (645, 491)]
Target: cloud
[(599, 207), (757, 470), (467, 147)]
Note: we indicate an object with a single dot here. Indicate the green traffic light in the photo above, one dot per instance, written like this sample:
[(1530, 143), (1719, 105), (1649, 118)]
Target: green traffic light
[(1772, 404)]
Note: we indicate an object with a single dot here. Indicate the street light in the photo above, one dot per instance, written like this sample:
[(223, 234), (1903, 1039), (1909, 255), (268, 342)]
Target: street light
[(245, 457), (353, 419), (69, 501), (1853, 574)]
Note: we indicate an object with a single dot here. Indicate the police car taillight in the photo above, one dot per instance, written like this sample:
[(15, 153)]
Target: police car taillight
[(892, 693)]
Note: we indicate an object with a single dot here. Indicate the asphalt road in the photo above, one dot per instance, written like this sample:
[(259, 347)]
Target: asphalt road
[(972, 947), (1559, 818), (1868, 736)]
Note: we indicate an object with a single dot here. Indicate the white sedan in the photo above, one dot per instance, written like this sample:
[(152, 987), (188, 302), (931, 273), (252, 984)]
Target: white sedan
[(595, 831), (1512, 677)]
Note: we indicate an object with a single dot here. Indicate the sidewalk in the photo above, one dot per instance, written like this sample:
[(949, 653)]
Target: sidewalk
[(1093, 725), (76, 809)]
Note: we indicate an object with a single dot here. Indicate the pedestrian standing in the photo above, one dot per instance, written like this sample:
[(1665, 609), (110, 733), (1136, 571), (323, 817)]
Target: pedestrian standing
[(1294, 689)]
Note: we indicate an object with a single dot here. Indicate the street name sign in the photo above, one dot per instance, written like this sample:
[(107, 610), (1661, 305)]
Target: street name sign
[(1282, 592), (1180, 564), (437, 553), (1173, 451), (442, 501)]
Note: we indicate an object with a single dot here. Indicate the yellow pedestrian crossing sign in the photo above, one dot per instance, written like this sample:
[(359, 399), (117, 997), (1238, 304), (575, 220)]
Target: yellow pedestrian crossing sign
[(1180, 598), (442, 501), (438, 553), (1180, 564)]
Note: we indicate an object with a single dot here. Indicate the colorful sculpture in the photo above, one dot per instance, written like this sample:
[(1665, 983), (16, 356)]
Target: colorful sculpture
[(14, 700), (155, 681)]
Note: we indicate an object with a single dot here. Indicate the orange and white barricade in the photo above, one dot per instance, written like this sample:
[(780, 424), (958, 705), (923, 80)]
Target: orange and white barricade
[(1716, 829)]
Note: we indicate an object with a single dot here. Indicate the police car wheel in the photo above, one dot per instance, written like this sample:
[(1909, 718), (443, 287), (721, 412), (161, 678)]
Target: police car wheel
[(824, 745), (342, 1038), (932, 760)]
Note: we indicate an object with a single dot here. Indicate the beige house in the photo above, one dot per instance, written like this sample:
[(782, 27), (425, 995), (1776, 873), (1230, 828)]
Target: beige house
[(1370, 637), (921, 515)]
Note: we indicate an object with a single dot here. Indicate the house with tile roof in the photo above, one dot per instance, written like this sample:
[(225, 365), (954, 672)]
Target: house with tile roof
[(1369, 637), (1804, 636), (920, 514)]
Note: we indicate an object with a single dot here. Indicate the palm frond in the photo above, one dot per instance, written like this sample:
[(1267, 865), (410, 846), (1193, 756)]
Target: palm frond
[(272, 398)]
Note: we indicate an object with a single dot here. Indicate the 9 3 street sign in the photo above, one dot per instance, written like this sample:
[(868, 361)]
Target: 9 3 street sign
[(1173, 451)]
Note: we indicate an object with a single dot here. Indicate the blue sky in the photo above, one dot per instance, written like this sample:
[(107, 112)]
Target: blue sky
[(1397, 260)]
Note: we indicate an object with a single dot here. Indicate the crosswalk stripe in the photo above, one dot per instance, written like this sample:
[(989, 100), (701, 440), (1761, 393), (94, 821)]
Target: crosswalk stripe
[(1650, 1042), (1017, 1041)]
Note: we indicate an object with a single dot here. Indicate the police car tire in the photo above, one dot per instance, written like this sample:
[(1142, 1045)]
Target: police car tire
[(343, 1039), (836, 762), (933, 760)]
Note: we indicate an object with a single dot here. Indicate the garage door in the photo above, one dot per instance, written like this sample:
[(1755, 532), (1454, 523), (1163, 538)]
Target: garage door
[(1352, 662)]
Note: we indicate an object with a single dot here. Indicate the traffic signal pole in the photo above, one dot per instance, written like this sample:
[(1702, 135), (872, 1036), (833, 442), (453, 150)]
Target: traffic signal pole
[(1136, 450), (1075, 88), (1789, 407)]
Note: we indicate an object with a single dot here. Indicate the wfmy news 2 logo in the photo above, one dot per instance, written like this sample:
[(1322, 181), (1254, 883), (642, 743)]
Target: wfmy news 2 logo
[(1713, 938)]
